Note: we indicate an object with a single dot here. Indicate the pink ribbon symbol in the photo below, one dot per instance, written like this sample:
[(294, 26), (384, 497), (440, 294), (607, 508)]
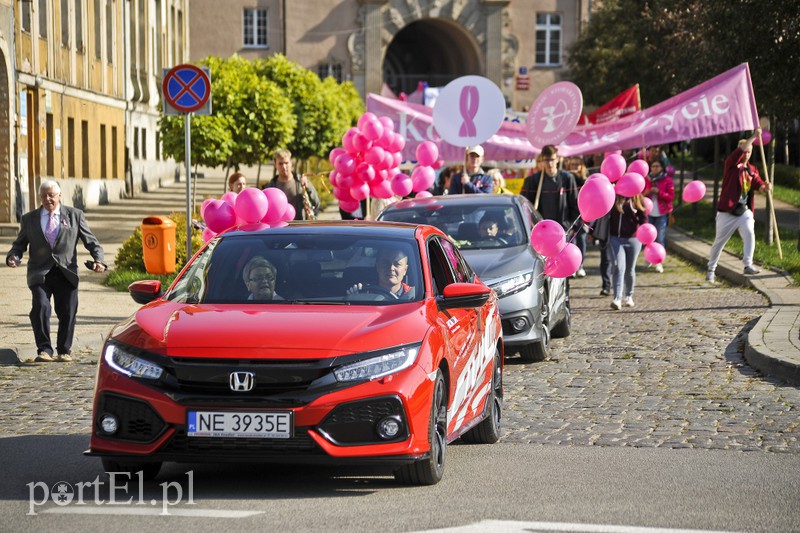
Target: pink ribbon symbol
[(468, 106)]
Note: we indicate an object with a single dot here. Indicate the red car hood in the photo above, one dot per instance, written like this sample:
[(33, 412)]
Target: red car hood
[(272, 330)]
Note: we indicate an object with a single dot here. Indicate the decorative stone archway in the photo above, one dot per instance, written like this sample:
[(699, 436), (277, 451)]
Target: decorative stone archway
[(477, 29)]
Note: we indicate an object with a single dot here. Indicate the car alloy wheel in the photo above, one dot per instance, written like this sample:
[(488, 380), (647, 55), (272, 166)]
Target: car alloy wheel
[(488, 431)]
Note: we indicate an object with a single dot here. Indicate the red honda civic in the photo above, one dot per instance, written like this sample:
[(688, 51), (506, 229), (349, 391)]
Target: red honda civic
[(363, 343)]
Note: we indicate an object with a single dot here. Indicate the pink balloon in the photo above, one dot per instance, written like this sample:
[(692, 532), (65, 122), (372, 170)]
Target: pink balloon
[(336, 152), (595, 198), (646, 233), (349, 205), (398, 158), (670, 170), (365, 172), (278, 204), (361, 143), (648, 205), (347, 140), (548, 237), (613, 166), (333, 177), (597, 175), (289, 214), (345, 181), (251, 205), (366, 117), (342, 193), (427, 153), (439, 163), (565, 263), (422, 178), (208, 235), (630, 184), (654, 253), (371, 129), (203, 207), (219, 216), (694, 191), (398, 143), (423, 194), (639, 166), (345, 163), (766, 137), (388, 124), (229, 198), (359, 192), (374, 156), (381, 189), (401, 185)]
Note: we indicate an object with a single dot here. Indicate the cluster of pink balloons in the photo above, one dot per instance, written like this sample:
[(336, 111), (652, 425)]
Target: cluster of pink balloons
[(653, 251), (269, 207), (563, 258), (367, 163)]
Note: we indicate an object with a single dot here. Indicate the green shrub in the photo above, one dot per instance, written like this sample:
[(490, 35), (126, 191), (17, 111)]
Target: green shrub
[(787, 176)]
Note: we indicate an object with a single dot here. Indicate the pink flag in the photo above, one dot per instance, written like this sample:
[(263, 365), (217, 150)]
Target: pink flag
[(723, 104)]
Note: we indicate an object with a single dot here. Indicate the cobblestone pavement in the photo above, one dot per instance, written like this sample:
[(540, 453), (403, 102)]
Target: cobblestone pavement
[(667, 373)]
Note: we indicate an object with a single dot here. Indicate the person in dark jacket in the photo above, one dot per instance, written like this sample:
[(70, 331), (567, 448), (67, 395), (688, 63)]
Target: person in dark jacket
[(553, 192), (736, 205), (473, 179), (627, 215), (300, 192)]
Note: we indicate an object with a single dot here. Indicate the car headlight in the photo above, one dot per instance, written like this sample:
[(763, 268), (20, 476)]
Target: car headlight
[(379, 365), (129, 364), (513, 285)]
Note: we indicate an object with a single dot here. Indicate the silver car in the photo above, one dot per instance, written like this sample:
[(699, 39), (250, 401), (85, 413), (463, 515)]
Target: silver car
[(493, 233)]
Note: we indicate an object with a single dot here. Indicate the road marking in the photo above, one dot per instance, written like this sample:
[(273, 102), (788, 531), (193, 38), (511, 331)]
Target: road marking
[(150, 511), (508, 526)]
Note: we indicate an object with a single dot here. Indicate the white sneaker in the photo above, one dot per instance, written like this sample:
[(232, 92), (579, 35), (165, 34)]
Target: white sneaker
[(616, 305), (659, 268), (628, 301), (710, 278), (581, 273)]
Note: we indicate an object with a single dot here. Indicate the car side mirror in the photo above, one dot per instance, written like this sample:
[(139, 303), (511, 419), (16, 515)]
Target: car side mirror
[(463, 296), (145, 291)]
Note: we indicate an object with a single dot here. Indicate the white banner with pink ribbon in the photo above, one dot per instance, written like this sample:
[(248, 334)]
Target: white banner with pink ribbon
[(724, 104)]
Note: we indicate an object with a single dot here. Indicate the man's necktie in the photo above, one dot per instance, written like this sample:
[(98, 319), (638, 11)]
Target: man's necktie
[(52, 230)]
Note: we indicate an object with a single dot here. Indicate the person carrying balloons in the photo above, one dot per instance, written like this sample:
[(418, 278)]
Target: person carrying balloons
[(735, 206), (473, 179), (660, 188), (553, 192), (300, 192), (627, 215)]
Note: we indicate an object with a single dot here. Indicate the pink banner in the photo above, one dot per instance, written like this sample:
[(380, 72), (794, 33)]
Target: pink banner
[(724, 104)]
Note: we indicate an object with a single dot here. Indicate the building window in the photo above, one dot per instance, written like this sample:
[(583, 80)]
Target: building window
[(71, 147), (98, 36), (144, 143), (43, 18), (548, 39), (103, 166), (136, 143), (79, 26), (110, 31), (158, 145), (25, 16), (85, 148), (331, 69), (114, 156), (65, 23), (255, 28)]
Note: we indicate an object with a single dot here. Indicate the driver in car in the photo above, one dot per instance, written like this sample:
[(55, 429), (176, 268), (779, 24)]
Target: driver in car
[(489, 229), (259, 276), (391, 266)]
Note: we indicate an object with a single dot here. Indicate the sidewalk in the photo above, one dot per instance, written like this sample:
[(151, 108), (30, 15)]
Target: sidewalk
[(773, 345)]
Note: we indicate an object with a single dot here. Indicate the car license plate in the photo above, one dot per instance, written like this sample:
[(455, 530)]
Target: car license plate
[(257, 424)]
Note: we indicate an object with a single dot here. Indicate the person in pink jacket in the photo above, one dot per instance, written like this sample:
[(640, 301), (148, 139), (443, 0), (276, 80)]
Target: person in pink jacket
[(659, 187)]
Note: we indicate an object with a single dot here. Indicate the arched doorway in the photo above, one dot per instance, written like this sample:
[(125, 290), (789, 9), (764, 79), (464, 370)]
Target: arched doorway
[(435, 51)]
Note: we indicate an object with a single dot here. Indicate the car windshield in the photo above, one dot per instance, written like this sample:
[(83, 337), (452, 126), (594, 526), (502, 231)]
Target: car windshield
[(471, 226), (302, 268)]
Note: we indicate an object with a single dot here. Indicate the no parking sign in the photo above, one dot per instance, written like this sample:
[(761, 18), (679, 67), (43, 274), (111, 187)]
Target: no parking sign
[(187, 89)]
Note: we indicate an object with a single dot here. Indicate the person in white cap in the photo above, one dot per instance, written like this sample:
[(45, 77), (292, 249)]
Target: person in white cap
[(473, 179)]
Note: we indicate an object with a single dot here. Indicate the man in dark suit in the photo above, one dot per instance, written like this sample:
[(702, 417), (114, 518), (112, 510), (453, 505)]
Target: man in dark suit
[(52, 233)]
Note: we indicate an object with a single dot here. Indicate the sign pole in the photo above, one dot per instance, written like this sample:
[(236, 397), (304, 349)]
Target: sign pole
[(188, 159)]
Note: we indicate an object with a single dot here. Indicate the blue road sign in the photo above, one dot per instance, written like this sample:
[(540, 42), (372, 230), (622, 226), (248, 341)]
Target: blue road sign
[(186, 88)]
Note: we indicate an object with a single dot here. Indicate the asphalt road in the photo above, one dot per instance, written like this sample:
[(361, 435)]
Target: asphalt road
[(643, 418)]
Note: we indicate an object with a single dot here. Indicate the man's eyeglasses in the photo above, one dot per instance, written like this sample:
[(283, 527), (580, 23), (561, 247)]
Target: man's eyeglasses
[(258, 279)]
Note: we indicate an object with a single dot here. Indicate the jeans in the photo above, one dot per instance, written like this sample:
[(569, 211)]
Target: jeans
[(606, 262), (625, 251), (660, 223)]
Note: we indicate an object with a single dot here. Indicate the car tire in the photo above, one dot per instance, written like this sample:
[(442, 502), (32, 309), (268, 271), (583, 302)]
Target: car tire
[(149, 470), (429, 471), (488, 431), (563, 328)]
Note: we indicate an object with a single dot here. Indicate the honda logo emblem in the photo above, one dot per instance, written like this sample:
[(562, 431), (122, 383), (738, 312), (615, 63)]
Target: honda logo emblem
[(242, 381)]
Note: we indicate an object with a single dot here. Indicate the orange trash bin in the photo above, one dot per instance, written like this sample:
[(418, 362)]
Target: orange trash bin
[(158, 245)]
